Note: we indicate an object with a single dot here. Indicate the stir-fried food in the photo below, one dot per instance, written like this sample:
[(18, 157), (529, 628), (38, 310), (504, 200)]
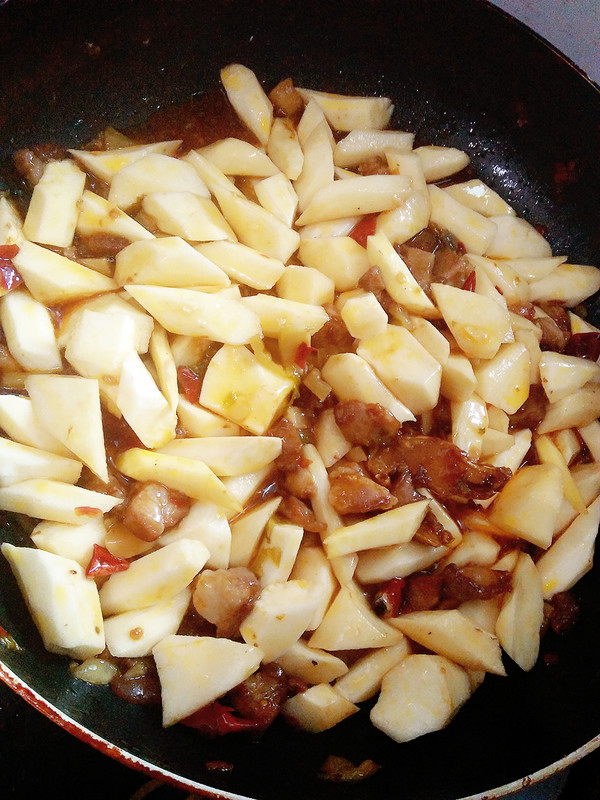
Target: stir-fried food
[(302, 414)]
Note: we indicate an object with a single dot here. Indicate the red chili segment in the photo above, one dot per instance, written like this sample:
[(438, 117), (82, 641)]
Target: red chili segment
[(363, 229), (104, 563), (190, 383), (217, 720)]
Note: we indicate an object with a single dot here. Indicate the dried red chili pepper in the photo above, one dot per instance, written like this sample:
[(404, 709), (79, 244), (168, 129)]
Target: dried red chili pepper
[(470, 283), (363, 229), (189, 380), (104, 563), (302, 353), (388, 599), (218, 720), (9, 277)]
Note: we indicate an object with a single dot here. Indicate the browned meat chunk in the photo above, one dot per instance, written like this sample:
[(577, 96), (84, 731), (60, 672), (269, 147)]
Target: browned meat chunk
[(365, 424), (224, 597), (353, 492), (153, 509)]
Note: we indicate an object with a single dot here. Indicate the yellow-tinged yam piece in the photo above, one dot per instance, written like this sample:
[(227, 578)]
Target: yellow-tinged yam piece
[(317, 164), (243, 264), (133, 634), (514, 237), (503, 380), (406, 220), (169, 261), (165, 366), (52, 213), (347, 112), (70, 541), (306, 285), (196, 313), (19, 462), (529, 503), (207, 523), (522, 614), (198, 421), (97, 215), (106, 163), (313, 565), (143, 405), (52, 278), (561, 374), (360, 144), (549, 453), (478, 323), (469, 424), (278, 618), (404, 366), (249, 100), (185, 475), (513, 286), (245, 389), (99, 343), (11, 224), (318, 708), (68, 406), (477, 195), (420, 695), (156, 576), (281, 317), (247, 529), (351, 624), (568, 283), (440, 162), (237, 157), (571, 555), (387, 528), (56, 501), (29, 332), (363, 680), (284, 149), (191, 216), (277, 195), (311, 665), (475, 231), (397, 561), (449, 633), (458, 378), (228, 455), (277, 552), (364, 194), (576, 410), (364, 316), (195, 670), (62, 601), (340, 258)]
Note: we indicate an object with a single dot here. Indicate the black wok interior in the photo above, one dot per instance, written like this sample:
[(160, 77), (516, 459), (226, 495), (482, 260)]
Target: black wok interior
[(460, 73)]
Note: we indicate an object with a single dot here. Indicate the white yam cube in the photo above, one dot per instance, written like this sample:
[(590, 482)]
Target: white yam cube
[(100, 342), (398, 561), (54, 500), (475, 231), (512, 286), (237, 157), (277, 195), (533, 269), (52, 213), (363, 680), (198, 421), (458, 378), (11, 224), (143, 405), (576, 410), (405, 367), (133, 634), (243, 264), (477, 195), (106, 163), (310, 665), (360, 144), (347, 112), (504, 380), (317, 709), (313, 566), (306, 285), (52, 278), (165, 366), (522, 614), (70, 541), (19, 462), (228, 455), (29, 332), (281, 317), (97, 215), (207, 523), (277, 552), (329, 439), (406, 220), (440, 162), (249, 100), (340, 258), (62, 601), (548, 453), (247, 529), (154, 577), (180, 660), (278, 618), (284, 148), (562, 374), (243, 389), (516, 238), (317, 164), (420, 695), (194, 218), (469, 424)]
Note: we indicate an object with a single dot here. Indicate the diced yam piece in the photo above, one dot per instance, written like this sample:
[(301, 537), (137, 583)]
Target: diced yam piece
[(478, 323), (97, 215), (237, 157), (533, 269), (587, 480), (317, 164), (154, 172), (516, 238), (351, 624), (390, 527), (100, 342), (310, 665), (494, 442), (62, 601), (249, 100), (399, 561), (440, 162), (568, 444), (363, 680), (243, 487), (360, 145), (52, 278), (133, 634), (404, 366), (288, 318), (199, 421), (277, 195), (11, 224), (52, 213), (562, 374), (55, 500), (449, 633), (576, 410), (504, 380), (331, 227), (420, 695), (106, 163), (475, 547), (484, 613), (398, 279), (228, 455), (469, 423), (247, 529), (70, 541), (196, 313), (19, 462), (579, 325), (218, 183), (513, 287), (185, 475), (458, 378), (306, 285), (340, 258), (154, 577), (477, 195), (329, 439), (432, 339), (207, 523), (346, 112), (278, 618), (29, 332), (475, 231), (165, 366), (522, 614), (513, 457), (318, 708), (68, 406), (284, 148), (223, 664), (244, 389), (194, 218), (277, 552), (529, 503), (243, 264), (548, 453), (572, 555), (353, 378), (406, 220), (313, 566), (364, 194), (169, 261), (589, 433)]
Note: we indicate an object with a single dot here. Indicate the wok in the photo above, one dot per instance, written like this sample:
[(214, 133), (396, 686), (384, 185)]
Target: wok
[(460, 73)]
